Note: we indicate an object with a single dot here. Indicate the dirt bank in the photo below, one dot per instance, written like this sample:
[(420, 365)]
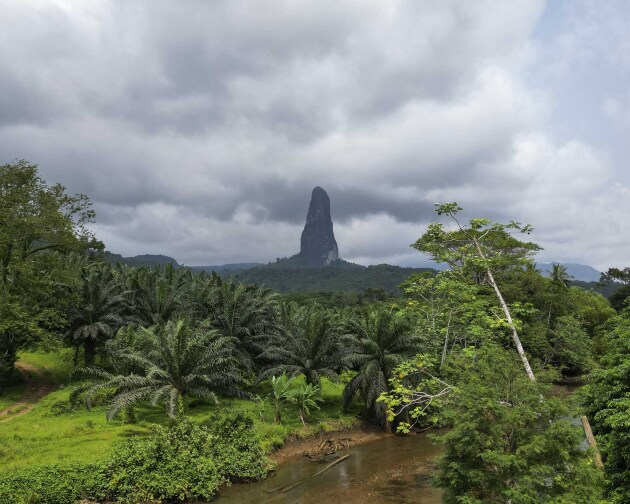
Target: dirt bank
[(344, 438)]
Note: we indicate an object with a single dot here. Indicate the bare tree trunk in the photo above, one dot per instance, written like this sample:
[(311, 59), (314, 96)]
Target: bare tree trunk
[(508, 316), (591, 441), (445, 347), (278, 419)]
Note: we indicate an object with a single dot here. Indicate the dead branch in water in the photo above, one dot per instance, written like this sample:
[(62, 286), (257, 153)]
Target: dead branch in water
[(286, 488)]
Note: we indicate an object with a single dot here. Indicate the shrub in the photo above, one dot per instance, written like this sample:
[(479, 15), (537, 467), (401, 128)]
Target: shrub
[(60, 408), (184, 461), (173, 464), (237, 449), (53, 484)]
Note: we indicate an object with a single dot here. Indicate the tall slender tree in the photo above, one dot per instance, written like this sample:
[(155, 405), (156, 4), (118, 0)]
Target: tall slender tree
[(560, 275), (481, 250)]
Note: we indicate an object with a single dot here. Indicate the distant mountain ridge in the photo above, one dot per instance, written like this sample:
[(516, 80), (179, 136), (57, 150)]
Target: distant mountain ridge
[(296, 274), (141, 260), (163, 260), (222, 268)]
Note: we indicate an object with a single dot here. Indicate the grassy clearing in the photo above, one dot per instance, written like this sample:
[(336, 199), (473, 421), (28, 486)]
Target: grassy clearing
[(37, 369), (43, 436), (11, 395), (51, 367)]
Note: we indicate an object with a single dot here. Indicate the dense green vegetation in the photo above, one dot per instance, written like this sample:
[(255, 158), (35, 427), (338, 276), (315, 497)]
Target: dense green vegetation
[(113, 376), (293, 275), (511, 440)]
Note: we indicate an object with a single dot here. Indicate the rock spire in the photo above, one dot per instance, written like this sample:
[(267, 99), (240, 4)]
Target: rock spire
[(318, 245)]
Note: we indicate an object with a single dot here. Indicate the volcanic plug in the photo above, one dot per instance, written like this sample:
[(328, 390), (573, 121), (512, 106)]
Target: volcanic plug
[(318, 245)]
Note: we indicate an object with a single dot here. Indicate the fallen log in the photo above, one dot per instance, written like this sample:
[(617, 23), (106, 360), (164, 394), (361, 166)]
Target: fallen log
[(591, 441), (286, 488)]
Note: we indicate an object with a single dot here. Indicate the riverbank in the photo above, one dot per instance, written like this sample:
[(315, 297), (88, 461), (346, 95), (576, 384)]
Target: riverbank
[(380, 468), (343, 438)]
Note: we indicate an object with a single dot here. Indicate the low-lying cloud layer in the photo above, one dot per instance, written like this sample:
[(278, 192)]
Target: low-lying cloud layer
[(199, 128)]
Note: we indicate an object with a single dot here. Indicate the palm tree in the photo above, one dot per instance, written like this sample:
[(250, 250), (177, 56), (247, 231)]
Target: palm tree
[(382, 341), (307, 344), (176, 362), (306, 398), (531, 267), (157, 293), (99, 311), (199, 294), (560, 275), (245, 313), (281, 392)]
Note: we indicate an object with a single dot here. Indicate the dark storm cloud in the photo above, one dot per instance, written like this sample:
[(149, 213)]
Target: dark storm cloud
[(22, 102), (355, 203), (200, 128)]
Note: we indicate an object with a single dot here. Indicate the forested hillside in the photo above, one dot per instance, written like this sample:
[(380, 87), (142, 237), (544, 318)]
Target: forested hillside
[(340, 276)]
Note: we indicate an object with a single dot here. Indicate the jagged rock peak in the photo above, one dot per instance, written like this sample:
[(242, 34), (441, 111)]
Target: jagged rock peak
[(318, 245)]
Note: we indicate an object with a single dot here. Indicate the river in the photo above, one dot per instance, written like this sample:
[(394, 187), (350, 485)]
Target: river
[(387, 470)]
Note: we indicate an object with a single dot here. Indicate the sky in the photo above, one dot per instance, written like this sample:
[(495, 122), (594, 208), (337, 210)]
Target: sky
[(199, 128)]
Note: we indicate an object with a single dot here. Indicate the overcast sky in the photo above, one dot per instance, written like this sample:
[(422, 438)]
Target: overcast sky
[(199, 128)]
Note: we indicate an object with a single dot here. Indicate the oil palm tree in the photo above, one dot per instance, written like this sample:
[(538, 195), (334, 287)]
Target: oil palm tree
[(382, 340), (177, 361), (157, 293), (246, 314), (99, 310), (308, 343)]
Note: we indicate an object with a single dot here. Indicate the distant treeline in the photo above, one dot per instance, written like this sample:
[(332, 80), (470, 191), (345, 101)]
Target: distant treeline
[(348, 280)]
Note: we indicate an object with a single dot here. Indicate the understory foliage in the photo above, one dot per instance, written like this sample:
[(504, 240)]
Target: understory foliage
[(510, 440), (237, 447), (179, 463), (607, 404), (173, 464)]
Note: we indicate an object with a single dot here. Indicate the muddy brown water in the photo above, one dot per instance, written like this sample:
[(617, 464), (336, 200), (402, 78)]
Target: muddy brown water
[(388, 470)]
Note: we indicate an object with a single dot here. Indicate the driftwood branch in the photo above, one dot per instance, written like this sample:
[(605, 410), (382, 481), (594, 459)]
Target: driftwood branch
[(286, 488)]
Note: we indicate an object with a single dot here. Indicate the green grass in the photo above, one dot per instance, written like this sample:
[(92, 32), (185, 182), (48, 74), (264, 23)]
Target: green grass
[(53, 367), (11, 395), (41, 437), (48, 368)]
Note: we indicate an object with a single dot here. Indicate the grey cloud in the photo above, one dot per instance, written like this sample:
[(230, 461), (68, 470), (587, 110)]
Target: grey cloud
[(200, 128)]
